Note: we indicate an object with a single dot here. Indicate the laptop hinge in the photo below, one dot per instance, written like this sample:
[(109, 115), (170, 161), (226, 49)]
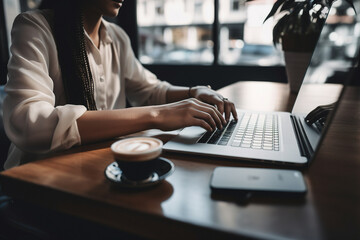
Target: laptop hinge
[(305, 147)]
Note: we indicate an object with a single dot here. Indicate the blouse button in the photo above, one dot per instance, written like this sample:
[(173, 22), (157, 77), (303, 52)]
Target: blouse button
[(102, 79)]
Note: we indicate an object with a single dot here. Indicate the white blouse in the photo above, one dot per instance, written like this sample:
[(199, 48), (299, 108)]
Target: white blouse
[(36, 117)]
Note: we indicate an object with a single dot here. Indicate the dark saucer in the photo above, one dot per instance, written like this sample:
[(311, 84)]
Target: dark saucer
[(162, 169)]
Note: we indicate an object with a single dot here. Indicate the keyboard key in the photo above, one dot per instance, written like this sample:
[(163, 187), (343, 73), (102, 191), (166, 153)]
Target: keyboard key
[(256, 147), (267, 148), (223, 143)]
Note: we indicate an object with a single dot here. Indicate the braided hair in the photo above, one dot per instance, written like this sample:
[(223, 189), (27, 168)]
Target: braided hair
[(67, 26)]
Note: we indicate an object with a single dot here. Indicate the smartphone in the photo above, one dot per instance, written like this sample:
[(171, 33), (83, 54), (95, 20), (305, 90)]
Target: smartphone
[(258, 180)]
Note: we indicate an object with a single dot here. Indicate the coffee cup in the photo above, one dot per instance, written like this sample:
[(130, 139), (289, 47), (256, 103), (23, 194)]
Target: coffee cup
[(136, 157)]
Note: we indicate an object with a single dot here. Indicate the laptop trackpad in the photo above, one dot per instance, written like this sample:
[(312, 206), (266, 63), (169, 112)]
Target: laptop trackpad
[(189, 135)]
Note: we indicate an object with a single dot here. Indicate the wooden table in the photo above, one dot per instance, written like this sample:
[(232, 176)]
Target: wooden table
[(183, 206)]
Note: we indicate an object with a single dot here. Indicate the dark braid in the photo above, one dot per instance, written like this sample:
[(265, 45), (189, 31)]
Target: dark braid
[(69, 36), (83, 67)]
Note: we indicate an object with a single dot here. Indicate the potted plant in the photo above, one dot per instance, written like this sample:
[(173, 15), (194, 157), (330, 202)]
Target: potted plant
[(297, 29)]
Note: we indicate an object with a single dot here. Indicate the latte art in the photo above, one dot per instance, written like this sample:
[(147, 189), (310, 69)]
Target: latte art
[(137, 149), (137, 145)]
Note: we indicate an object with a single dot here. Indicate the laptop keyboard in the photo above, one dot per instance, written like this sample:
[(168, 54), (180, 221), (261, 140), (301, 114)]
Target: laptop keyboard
[(256, 130)]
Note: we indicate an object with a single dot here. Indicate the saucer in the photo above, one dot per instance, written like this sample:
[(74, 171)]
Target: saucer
[(162, 169)]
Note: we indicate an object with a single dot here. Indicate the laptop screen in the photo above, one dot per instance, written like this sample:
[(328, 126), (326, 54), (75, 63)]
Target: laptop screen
[(332, 60), (332, 64)]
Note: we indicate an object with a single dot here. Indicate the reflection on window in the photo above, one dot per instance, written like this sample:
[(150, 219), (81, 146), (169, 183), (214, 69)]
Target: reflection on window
[(175, 31), (244, 37), (180, 31), (337, 46)]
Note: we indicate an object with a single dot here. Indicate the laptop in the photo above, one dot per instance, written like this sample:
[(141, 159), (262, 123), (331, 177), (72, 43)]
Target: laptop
[(283, 137)]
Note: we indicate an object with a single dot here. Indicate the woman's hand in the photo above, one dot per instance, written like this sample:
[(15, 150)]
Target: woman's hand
[(207, 95), (184, 113), (188, 112)]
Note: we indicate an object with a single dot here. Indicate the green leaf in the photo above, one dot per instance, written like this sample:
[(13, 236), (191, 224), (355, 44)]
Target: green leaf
[(280, 28), (287, 5), (318, 13), (277, 4)]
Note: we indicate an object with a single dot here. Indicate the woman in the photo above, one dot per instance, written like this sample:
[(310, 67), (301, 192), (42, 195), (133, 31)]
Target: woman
[(70, 75)]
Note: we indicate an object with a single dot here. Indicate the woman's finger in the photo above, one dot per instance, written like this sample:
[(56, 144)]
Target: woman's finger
[(227, 109), (198, 114), (210, 113), (220, 121), (202, 123), (233, 111), (220, 104)]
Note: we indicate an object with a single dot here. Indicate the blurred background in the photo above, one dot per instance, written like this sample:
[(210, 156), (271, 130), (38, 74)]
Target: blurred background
[(190, 42)]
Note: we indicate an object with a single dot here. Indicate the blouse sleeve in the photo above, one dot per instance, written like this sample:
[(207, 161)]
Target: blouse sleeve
[(142, 86), (31, 119)]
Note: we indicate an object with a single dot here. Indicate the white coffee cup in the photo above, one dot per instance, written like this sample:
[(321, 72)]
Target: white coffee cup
[(135, 156)]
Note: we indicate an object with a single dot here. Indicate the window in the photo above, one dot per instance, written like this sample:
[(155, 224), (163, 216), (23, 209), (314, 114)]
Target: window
[(235, 5), (175, 31), (183, 32)]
